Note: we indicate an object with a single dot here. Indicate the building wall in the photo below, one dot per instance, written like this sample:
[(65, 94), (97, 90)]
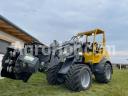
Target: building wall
[(13, 40)]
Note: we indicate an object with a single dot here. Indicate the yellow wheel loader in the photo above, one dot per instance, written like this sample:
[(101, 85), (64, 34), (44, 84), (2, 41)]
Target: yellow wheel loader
[(71, 63), (75, 61)]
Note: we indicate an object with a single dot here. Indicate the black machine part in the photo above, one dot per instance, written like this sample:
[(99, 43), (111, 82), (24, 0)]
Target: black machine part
[(19, 67), (8, 63), (26, 63), (67, 54), (25, 66), (43, 62)]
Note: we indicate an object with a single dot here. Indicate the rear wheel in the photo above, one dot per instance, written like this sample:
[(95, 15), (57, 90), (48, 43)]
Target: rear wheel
[(106, 76), (78, 78), (52, 75)]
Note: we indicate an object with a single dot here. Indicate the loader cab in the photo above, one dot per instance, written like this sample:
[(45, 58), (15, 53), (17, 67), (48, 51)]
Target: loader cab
[(94, 49)]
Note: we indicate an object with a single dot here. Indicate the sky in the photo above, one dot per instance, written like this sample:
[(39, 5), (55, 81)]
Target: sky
[(48, 20)]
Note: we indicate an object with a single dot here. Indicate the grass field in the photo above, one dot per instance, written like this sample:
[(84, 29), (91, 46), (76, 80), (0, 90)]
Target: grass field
[(38, 86)]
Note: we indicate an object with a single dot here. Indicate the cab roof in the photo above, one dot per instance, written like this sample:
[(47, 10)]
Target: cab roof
[(89, 33)]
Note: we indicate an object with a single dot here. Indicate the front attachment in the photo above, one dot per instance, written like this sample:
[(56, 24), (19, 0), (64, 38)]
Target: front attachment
[(18, 67)]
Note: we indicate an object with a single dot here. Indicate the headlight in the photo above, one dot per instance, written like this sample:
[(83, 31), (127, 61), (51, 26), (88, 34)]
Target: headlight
[(80, 53)]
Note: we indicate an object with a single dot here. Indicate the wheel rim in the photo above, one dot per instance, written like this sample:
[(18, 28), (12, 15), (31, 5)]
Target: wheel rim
[(85, 79), (108, 73)]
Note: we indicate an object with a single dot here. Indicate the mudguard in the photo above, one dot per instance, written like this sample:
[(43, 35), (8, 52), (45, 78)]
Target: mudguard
[(54, 61), (99, 68), (66, 65)]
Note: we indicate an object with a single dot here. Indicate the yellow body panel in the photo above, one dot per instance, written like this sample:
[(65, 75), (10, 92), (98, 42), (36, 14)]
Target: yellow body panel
[(89, 57), (95, 58)]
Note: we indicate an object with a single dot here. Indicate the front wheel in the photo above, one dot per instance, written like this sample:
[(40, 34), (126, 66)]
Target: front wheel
[(78, 78), (53, 76), (106, 75)]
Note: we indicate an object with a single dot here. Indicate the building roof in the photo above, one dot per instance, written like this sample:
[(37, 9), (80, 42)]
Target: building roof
[(10, 28)]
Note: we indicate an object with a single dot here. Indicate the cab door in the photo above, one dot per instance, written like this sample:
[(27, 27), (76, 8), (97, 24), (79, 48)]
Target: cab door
[(98, 48), (88, 54)]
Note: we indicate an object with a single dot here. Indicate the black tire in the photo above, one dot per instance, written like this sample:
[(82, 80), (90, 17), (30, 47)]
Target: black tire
[(74, 77), (52, 75), (106, 75)]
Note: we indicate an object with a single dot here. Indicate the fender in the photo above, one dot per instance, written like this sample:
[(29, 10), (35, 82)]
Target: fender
[(99, 68), (53, 61), (69, 62), (66, 65)]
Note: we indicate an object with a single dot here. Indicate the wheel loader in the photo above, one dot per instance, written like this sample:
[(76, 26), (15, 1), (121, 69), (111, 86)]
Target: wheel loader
[(72, 63), (77, 60)]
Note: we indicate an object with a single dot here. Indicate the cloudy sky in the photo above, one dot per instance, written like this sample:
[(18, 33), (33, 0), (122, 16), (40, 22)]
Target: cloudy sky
[(60, 19)]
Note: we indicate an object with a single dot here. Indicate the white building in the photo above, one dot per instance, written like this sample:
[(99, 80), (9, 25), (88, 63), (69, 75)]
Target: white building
[(10, 34)]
